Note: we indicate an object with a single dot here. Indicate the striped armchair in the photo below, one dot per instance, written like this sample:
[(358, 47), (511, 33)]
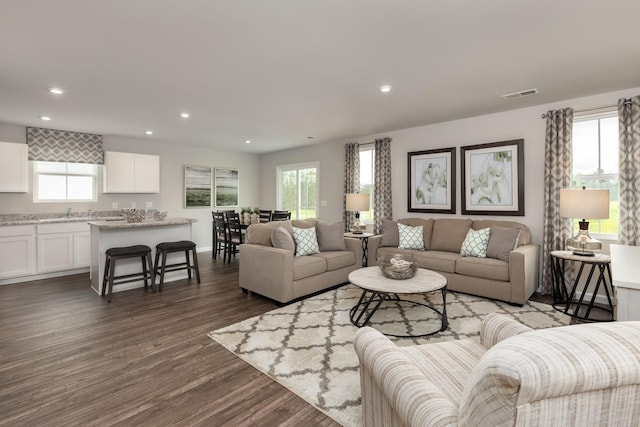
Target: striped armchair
[(578, 375)]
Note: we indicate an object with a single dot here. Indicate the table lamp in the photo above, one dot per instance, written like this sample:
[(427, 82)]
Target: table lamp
[(357, 202), (583, 203)]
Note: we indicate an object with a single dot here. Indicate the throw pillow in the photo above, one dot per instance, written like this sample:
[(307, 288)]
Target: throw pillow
[(330, 237), (282, 239), (306, 241), (502, 241), (475, 244), (410, 237), (389, 233)]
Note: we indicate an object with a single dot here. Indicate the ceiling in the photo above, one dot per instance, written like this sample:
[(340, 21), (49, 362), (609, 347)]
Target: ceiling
[(277, 72)]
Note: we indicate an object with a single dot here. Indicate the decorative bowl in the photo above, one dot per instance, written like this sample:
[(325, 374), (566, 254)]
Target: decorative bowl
[(160, 216), (134, 215), (398, 266)]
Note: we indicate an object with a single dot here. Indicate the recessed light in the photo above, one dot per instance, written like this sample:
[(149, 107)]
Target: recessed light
[(56, 90), (385, 88), (310, 137), (184, 115), (46, 118), (247, 141), (149, 132)]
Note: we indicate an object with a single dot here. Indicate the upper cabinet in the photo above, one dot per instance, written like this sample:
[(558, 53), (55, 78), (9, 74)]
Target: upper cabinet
[(13, 167), (131, 173)]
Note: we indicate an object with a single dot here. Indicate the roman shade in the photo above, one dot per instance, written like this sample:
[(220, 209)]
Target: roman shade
[(51, 145)]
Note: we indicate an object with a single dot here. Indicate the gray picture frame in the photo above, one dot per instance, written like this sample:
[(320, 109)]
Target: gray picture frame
[(493, 178), (432, 181), (197, 186), (227, 186)]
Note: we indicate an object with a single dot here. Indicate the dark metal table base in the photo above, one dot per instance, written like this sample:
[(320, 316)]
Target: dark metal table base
[(370, 301)]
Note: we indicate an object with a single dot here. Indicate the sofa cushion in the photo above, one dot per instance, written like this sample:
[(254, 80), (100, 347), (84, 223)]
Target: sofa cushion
[(525, 233), (260, 234), (485, 268), (448, 234), (337, 259), (410, 237), (437, 260), (306, 241), (390, 235), (502, 241), (304, 223), (330, 237), (475, 244), (282, 239), (307, 266)]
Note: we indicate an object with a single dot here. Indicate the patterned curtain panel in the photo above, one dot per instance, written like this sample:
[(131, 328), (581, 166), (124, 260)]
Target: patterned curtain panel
[(351, 179), (557, 175), (629, 173), (50, 145), (382, 184)]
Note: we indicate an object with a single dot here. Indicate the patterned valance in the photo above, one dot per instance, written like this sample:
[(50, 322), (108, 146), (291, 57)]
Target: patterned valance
[(51, 145)]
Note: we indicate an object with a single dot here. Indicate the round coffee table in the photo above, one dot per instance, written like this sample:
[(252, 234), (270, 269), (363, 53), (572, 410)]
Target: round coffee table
[(376, 289)]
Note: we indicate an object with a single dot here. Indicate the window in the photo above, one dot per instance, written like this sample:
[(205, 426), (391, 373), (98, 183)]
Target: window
[(595, 165), (367, 158), (298, 189), (70, 182)]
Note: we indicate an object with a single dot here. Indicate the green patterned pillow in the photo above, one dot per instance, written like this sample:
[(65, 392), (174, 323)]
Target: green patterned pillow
[(475, 244), (410, 237), (306, 241)]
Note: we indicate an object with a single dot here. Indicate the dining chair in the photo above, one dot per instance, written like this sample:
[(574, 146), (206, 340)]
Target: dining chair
[(236, 237), (264, 215), (280, 215), (220, 235)]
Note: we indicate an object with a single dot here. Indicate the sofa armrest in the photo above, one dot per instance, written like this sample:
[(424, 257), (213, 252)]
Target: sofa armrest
[(374, 244), (497, 327), (523, 272), (394, 390), (267, 270), (355, 246)]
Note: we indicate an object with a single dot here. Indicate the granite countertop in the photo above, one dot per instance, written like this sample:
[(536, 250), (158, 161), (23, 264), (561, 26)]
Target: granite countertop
[(56, 220), (146, 223)]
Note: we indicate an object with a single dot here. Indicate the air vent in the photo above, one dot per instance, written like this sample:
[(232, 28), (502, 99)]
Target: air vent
[(520, 94)]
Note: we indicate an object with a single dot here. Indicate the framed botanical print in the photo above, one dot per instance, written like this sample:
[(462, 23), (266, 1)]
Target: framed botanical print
[(432, 181), (493, 178)]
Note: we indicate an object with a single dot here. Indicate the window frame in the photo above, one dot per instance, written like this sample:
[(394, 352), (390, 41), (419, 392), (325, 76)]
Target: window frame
[(297, 167), (67, 174), (577, 178)]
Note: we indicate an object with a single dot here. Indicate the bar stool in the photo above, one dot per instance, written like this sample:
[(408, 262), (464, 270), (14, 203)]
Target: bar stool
[(165, 248), (113, 254)]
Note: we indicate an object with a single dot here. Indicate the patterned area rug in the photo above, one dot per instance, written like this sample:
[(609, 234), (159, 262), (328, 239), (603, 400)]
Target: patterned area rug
[(308, 346)]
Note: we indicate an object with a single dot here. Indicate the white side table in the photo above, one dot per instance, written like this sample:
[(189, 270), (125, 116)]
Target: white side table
[(365, 244), (625, 270)]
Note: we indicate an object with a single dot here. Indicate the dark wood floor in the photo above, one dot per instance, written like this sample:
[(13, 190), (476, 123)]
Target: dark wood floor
[(69, 358)]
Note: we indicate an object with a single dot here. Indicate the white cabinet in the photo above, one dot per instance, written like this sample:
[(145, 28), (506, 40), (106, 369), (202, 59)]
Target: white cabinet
[(625, 272), (17, 251), (13, 167), (131, 173), (63, 246)]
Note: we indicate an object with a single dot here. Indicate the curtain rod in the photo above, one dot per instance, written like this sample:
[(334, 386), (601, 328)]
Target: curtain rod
[(584, 110)]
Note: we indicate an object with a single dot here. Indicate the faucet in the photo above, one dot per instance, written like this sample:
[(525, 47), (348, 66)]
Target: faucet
[(69, 213), (90, 214)]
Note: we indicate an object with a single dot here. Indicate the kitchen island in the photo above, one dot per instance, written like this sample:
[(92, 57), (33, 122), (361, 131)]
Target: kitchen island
[(110, 234)]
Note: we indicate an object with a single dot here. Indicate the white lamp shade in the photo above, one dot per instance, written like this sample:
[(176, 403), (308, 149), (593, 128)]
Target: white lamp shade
[(357, 202), (584, 203)]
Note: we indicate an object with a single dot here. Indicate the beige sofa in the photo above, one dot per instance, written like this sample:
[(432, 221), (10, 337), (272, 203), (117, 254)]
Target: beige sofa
[(280, 275), (578, 375), (513, 279)]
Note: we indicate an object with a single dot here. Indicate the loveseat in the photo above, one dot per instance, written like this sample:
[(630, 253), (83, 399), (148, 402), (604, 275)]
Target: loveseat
[(277, 273), (508, 272), (578, 375)]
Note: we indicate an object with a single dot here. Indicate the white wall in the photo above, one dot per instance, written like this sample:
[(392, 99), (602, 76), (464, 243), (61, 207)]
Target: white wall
[(525, 123), (173, 157)]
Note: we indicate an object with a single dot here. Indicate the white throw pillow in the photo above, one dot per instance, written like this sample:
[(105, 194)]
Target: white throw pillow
[(306, 241), (410, 237), (475, 244)]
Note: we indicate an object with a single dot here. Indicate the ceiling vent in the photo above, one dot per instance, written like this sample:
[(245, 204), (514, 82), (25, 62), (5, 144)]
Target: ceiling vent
[(520, 94)]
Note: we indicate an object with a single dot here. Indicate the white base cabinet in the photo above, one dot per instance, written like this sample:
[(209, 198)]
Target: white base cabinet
[(17, 251), (55, 252)]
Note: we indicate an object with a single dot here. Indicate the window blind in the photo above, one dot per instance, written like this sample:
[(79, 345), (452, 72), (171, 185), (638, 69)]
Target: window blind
[(51, 145)]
